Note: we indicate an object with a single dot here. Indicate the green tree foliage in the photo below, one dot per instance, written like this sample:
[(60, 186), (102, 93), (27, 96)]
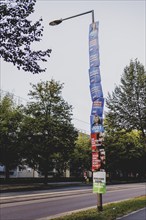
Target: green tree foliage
[(18, 33), (125, 137), (10, 120), (125, 153), (82, 155), (127, 103), (48, 133)]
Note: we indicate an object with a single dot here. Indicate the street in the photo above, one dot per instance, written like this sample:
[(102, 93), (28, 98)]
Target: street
[(37, 205)]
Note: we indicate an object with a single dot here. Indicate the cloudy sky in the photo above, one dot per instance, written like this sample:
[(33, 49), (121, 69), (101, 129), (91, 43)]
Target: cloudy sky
[(121, 38)]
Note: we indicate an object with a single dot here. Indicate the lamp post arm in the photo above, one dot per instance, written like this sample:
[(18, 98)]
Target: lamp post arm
[(81, 15)]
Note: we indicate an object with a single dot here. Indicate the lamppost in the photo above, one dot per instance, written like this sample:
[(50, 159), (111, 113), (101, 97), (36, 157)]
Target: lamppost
[(56, 22), (97, 107)]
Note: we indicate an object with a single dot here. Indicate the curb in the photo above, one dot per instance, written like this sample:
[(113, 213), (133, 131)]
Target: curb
[(131, 213), (79, 210)]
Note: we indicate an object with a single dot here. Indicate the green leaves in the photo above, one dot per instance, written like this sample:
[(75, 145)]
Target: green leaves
[(18, 33), (53, 134), (127, 104), (10, 122), (125, 121), (125, 152), (81, 157), (41, 133)]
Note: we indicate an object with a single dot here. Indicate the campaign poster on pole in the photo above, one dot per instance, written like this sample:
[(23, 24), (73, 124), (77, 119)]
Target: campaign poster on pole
[(96, 124), (97, 107), (99, 182), (96, 162)]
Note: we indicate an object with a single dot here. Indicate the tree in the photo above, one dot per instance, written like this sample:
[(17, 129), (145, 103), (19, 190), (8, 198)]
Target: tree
[(47, 130), (124, 153), (18, 33), (127, 104), (10, 120), (81, 157)]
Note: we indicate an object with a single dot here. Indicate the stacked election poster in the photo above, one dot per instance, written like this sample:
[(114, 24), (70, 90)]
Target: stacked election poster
[(96, 117)]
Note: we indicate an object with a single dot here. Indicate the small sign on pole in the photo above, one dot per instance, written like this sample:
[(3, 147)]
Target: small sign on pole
[(99, 182)]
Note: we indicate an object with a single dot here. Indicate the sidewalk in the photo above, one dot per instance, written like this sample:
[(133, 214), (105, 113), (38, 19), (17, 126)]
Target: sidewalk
[(137, 215)]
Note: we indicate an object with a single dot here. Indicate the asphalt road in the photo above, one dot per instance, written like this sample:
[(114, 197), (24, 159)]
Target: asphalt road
[(38, 205)]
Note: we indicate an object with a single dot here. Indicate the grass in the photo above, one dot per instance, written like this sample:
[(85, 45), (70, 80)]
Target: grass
[(110, 211)]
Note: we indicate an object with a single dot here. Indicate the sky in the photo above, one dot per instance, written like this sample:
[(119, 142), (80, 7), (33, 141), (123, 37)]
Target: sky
[(121, 38)]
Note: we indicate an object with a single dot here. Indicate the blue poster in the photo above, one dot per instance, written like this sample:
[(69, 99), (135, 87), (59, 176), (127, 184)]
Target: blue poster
[(94, 58), (96, 118), (97, 107), (93, 41), (96, 91), (96, 124), (93, 37), (95, 29), (94, 75)]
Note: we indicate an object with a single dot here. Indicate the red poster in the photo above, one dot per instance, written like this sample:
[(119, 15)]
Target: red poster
[(96, 141), (96, 162), (93, 142)]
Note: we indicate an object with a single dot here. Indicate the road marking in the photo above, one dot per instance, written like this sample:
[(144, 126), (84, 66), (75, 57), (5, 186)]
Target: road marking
[(68, 192), (52, 196), (38, 200)]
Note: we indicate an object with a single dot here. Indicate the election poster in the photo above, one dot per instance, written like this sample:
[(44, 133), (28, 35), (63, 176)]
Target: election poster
[(96, 124), (96, 91), (94, 75), (97, 107), (99, 182), (96, 162), (94, 46), (93, 37)]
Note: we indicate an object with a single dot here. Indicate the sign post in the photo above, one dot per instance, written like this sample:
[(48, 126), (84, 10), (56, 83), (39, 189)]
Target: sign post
[(96, 117), (99, 202)]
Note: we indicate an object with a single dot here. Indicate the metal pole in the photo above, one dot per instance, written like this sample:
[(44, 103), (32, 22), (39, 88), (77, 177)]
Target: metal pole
[(56, 22), (99, 202), (92, 16), (81, 15)]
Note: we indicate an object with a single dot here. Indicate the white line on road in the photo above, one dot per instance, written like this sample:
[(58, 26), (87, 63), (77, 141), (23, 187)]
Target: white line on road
[(66, 192), (38, 200)]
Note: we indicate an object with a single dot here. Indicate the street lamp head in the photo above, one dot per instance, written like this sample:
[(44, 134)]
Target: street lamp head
[(55, 22)]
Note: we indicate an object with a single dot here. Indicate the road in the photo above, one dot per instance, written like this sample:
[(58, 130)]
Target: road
[(38, 205)]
